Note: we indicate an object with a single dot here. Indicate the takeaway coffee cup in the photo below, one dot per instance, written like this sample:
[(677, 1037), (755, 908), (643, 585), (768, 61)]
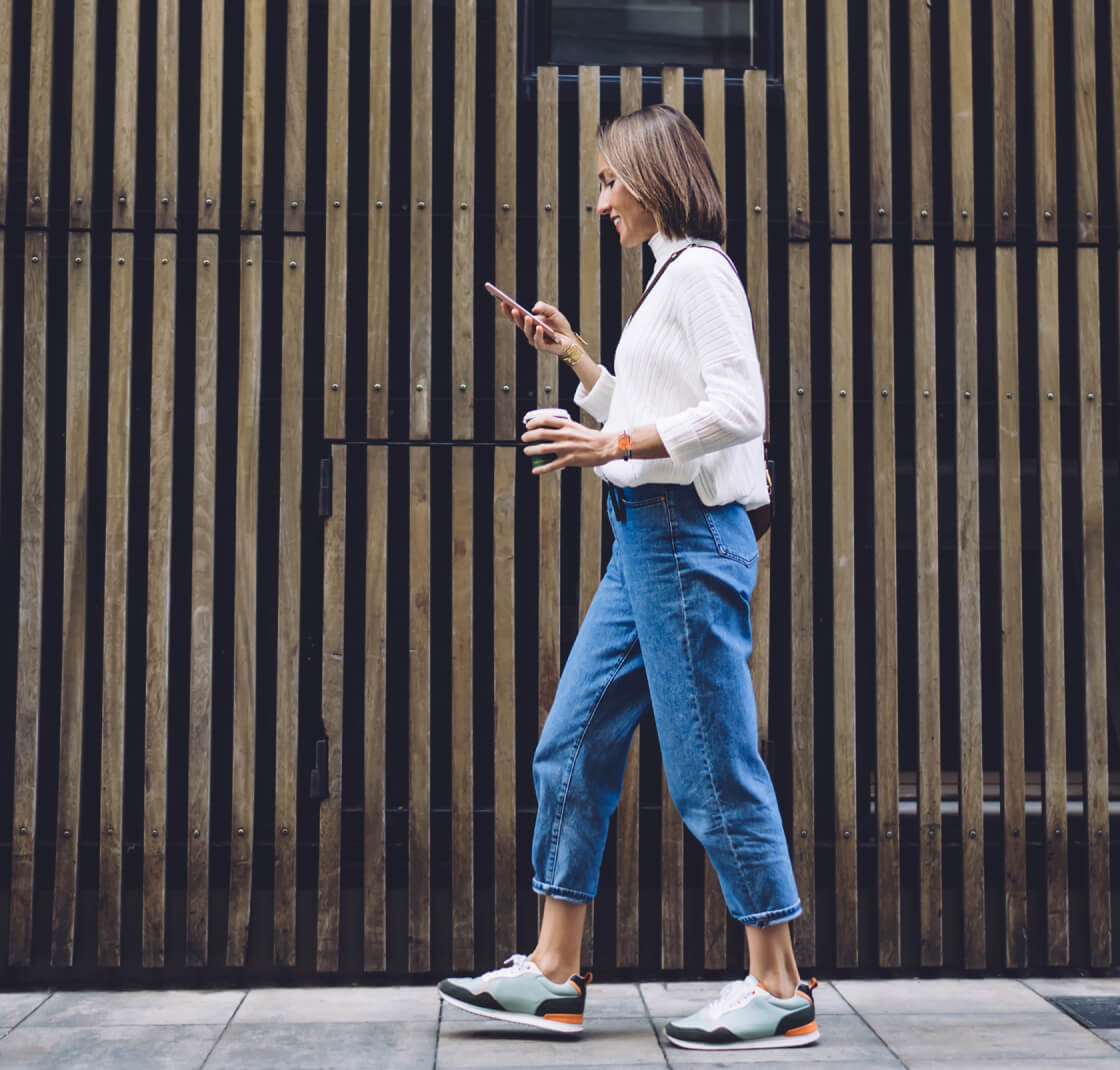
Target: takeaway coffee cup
[(559, 414)]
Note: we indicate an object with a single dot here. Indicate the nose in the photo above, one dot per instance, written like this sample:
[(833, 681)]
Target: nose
[(604, 204)]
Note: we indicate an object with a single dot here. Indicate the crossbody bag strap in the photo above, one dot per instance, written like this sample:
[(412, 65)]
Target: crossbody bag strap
[(661, 271)]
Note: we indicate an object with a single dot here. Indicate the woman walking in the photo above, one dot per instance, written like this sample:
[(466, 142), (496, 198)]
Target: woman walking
[(668, 630)]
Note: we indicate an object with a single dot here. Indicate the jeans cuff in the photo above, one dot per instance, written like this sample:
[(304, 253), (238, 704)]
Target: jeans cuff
[(567, 894), (771, 917)]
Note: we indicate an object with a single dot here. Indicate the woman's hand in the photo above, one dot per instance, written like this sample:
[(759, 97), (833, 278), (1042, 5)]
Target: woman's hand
[(574, 445), (562, 333)]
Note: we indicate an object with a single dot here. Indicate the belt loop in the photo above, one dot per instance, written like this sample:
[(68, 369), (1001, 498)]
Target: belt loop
[(619, 504)]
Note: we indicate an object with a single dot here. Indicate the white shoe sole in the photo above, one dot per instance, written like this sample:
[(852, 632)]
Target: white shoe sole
[(511, 1016), (760, 1042)]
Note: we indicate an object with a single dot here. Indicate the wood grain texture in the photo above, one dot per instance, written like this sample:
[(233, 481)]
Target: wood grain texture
[(337, 210), (886, 605), (803, 827), (879, 118), (334, 627), (1011, 612), (928, 607), (157, 680), (29, 638), (1085, 119), (39, 128), (295, 117), (921, 123), (1055, 781), (420, 320), (167, 114), (846, 829), (245, 603), (1093, 543), (961, 121), (203, 521), (253, 114), (82, 98), (505, 215), (796, 73), (839, 126), (970, 700), (1003, 118), (463, 227), (75, 576), (113, 686), (126, 89), (1045, 123), (377, 340), (6, 25), (672, 86), (285, 836), (210, 115)]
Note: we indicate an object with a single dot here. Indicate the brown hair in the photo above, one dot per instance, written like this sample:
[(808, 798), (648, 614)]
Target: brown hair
[(661, 158)]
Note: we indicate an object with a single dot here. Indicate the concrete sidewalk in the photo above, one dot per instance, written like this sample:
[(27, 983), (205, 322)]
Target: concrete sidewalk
[(912, 1023)]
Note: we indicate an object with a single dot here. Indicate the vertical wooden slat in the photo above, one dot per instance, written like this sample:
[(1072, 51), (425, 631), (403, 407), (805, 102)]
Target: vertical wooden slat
[(377, 348), (462, 247), (970, 702), (6, 26), (929, 633), (1093, 543), (839, 139), (844, 614), (252, 115), (202, 599), (886, 603), (74, 580), (1003, 118), (505, 222), (210, 115), (1085, 112), (420, 317), (295, 117), (113, 692), (245, 603), (801, 599), (921, 123), (83, 95), (288, 604), (796, 68), (167, 114), (29, 638), (1011, 611), (419, 717), (961, 122), (39, 127), (715, 132), (1053, 613), (330, 807), (1115, 112), (373, 818), (334, 283), (156, 679), (1045, 123), (879, 116), (126, 89), (672, 87)]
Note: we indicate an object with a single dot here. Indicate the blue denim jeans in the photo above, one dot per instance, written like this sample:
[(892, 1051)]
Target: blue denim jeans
[(668, 630)]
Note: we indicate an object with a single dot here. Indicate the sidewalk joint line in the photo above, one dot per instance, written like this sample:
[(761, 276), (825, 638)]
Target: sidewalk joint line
[(218, 1039), (652, 1025)]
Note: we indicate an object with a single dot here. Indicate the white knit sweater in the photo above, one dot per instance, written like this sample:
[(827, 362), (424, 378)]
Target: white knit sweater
[(687, 362)]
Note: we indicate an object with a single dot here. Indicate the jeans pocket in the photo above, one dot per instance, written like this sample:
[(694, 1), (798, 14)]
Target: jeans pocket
[(732, 534)]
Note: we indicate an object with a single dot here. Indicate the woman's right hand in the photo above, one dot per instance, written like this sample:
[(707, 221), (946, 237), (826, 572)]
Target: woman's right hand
[(562, 334)]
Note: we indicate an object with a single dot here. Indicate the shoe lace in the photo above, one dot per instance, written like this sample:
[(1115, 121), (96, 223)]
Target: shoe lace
[(514, 965), (733, 995)]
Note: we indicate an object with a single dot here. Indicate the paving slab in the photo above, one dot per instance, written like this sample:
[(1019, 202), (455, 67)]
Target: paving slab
[(325, 1046), (1110, 1035), (138, 1007), (108, 1047), (943, 996), (15, 1006), (678, 998), (365, 1004), (1074, 986)]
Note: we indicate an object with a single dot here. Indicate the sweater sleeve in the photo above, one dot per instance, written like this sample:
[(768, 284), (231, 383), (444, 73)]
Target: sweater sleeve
[(597, 400)]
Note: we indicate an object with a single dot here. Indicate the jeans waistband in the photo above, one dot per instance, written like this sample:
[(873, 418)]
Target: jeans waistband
[(681, 493)]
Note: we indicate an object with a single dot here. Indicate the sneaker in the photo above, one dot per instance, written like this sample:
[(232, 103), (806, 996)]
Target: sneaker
[(519, 992), (746, 1016)]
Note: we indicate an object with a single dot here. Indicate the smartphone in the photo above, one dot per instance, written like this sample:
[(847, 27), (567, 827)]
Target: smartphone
[(505, 298)]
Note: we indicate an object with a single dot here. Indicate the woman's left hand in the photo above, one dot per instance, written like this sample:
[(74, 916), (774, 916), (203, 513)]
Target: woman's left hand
[(574, 445)]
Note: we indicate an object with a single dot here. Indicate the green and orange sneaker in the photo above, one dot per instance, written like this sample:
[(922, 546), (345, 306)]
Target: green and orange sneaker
[(519, 992), (746, 1016)]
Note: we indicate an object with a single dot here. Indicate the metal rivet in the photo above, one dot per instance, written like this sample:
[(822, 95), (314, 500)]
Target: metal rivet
[(419, 388), (165, 260), (209, 202), (1015, 832), (1088, 215), (1006, 215), (932, 833), (252, 204), (882, 211), (505, 388), (847, 834), (972, 834), (799, 210), (462, 206), (292, 265), (839, 211), (758, 209), (463, 388), (294, 204), (587, 208), (1047, 215), (66, 834), (34, 260), (249, 261), (1089, 396), (377, 387), (334, 387), (205, 263), (884, 393), (120, 260), (379, 204), (338, 204), (79, 200), (964, 213), (800, 391), (77, 260), (505, 207), (1100, 832), (23, 830), (155, 834), (924, 213), (1057, 832), (890, 834), (548, 206), (240, 832), (283, 830), (925, 393), (109, 830), (1008, 395), (165, 200), (804, 834), (1050, 397), (843, 393), (196, 833), (548, 388), (36, 199), (968, 393), (421, 205), (120, 199)]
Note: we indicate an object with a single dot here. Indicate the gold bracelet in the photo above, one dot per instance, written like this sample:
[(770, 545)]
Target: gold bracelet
[(572, 352)]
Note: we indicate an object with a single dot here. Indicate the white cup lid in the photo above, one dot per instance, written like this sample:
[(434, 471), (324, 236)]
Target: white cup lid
[(561, 414)]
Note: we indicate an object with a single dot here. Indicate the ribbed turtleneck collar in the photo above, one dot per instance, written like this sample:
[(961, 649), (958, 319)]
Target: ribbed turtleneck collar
[(662, 247)]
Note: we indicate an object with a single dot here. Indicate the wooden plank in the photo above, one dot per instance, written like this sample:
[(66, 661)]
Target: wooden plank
[(202, 599), (157, 659), (253, 115), (1045, 123), (1093, 543), (505, 707), (82, 98), (335, 277), (210, 115), (419, 712), (126, 89), (795, 65), (839, 126), (715, 132), (377, 621), (505, 214), (420, 320), (29, 638), (921, 123), (462, 240), (844, 613), (970, 701), (377, 344), (462, 708), (167, 115), (929, 628), (41, 67), (5, 97), (801, 599), (672, 87), (245, 603), (295, 117), (886, 605), (879, 116), (961, 121), (1011, 611), (1055, 784), (74, 586), (1085, 119), (285, 838), (113, 688), (330, 807), (1003, 118)]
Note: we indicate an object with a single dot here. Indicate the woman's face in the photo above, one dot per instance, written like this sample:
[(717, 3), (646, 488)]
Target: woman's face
[(633, 223)]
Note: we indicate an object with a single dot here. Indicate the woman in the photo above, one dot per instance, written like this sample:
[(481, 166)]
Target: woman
[(680, 448)]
